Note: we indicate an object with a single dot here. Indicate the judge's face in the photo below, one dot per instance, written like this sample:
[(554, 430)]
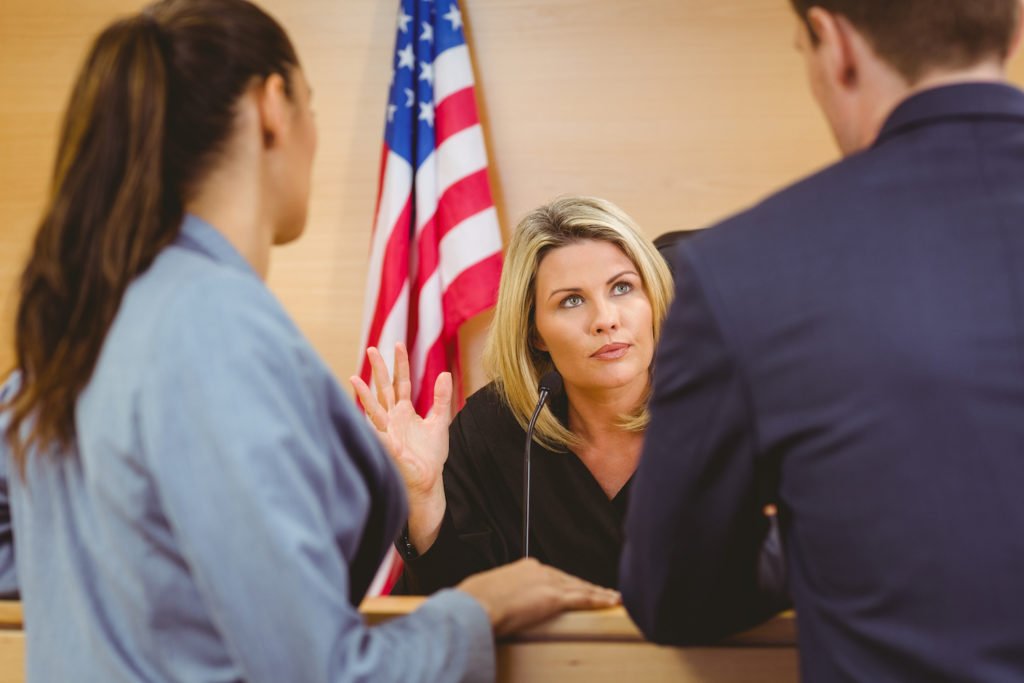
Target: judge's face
[(593, 317)]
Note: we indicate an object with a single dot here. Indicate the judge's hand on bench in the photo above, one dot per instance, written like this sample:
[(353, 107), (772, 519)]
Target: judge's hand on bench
[(526, 592)]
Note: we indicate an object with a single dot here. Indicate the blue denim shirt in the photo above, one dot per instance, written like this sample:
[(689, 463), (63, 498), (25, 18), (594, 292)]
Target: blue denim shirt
[(225, 506)]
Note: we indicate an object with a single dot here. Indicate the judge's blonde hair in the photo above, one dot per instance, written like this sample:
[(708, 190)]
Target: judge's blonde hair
[(510, 355)]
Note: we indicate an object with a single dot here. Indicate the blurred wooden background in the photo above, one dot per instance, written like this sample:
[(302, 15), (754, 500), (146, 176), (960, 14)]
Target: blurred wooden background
[(681, 111)]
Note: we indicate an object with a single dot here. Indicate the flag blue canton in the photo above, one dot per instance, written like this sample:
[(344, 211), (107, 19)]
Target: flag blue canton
[(425, 29)]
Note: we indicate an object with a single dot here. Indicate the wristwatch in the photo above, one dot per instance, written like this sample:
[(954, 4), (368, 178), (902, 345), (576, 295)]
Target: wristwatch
[(405, 547)]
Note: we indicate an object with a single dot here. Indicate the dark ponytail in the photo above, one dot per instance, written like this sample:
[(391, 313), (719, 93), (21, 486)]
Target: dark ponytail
[(151, 110)]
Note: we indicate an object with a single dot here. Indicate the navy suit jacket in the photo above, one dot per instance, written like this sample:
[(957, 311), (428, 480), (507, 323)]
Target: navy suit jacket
[(852, 349)]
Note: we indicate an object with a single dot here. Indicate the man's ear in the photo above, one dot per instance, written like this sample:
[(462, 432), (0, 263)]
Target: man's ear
[(274, 109), (835, 45)]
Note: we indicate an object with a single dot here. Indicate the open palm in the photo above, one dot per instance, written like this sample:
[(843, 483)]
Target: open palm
[(418, 445)]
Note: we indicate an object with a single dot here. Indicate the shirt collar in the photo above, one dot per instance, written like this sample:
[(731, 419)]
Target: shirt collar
[(199, 236), (962, 100)]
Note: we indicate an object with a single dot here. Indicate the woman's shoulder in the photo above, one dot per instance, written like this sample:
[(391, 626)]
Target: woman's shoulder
[(485, 440), (487, 403), (487, 414)]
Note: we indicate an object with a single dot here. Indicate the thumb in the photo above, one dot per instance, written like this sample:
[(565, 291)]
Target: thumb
[(442, 407)]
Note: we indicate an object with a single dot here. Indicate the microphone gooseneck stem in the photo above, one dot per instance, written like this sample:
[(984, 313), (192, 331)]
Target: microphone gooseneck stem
[(526, 471)]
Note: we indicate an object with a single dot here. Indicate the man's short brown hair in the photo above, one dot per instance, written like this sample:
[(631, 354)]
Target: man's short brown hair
[(917, 36)]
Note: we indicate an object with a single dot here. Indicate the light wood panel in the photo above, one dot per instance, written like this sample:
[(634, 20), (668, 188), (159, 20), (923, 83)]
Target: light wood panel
[(682, 111)]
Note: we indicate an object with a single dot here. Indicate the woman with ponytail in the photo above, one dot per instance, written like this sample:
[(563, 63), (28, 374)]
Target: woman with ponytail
[(193, 495)]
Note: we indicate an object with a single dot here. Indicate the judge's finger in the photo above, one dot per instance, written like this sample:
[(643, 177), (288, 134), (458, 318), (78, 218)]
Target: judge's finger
[(381, 378), (378, 416), (575, 589), (589, 597), (403, 384), (442, 407)]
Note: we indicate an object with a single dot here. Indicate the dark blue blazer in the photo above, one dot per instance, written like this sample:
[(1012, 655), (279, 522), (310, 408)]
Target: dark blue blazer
[(852, 349)]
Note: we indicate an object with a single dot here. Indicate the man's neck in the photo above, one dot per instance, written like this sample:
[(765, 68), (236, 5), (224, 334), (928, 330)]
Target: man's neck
[(986, 72), (894, 92)]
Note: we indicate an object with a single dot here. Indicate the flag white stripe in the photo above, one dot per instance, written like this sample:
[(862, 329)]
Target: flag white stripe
[(381, 577), (465, 245), (394, 328), (460, 155), (431, 324), (427, 192), (397, 182), (453, 72), (468, 243)]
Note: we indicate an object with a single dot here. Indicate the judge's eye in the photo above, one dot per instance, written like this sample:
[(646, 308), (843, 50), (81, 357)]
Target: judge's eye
[(622, 288), (571, 301)]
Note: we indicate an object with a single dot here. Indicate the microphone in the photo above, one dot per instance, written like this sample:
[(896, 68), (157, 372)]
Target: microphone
[(550, 386)]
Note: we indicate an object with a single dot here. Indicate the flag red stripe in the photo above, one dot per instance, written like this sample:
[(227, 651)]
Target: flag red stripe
[(455, 113), (472, 292), (394, 572), (466, 198), (393, 276), (435, 363)]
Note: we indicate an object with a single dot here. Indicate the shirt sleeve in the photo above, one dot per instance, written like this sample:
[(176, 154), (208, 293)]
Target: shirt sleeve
[(694, 529), (468, 541), (259, 480)]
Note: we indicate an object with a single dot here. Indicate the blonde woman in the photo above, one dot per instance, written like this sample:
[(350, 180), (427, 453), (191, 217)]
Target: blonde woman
[(582, 292)]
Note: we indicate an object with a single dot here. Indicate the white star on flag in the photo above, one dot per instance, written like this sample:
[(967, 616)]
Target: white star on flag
[(427, 72), (391, 112), (406, 57), (454, 16), (427, 113), (428, 32), (403, 20), (410, 97)]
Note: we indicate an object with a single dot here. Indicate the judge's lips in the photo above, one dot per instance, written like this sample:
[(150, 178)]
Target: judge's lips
[(610, 351)]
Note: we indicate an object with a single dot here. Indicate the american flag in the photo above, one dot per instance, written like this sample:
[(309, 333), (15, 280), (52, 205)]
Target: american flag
[(435, 258)]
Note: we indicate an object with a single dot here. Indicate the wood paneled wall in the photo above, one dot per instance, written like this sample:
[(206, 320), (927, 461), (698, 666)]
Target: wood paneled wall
[(681, 111)]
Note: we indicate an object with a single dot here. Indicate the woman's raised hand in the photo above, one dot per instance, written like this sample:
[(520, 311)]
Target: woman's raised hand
[(419, 446)]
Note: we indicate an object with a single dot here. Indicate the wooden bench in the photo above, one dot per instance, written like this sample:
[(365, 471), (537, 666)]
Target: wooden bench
[(590, 647), (12, 643), (605, 645)]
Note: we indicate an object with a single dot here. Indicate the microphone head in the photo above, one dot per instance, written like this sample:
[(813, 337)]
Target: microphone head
[(552, 381)]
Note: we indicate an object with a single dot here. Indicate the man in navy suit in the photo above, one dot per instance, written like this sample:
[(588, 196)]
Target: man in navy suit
[(851, 350)]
